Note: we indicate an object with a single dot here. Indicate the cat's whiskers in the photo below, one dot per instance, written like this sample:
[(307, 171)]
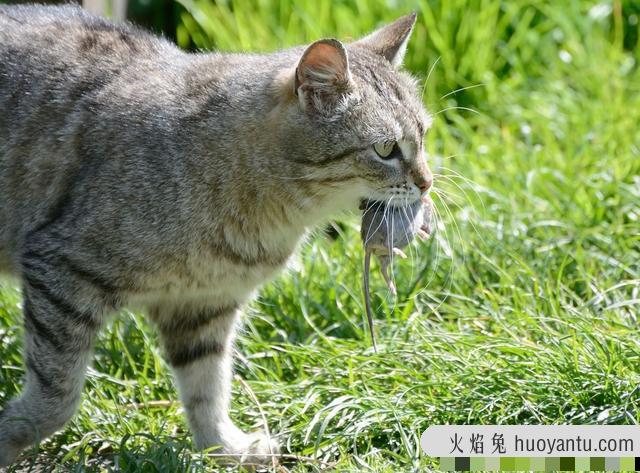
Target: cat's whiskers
[(456, 107), (457, 175), (426, 81), (435, 219), (473, 184), (449, 277), (392, 213), (445, 181), (451, 156), (442, 192), (412, 253), (436, 222), (388, 212), (369, 233), (462, 89)]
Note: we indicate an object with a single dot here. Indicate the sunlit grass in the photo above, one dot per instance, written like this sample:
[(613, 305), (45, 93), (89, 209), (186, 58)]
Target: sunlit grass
[(522, 308)]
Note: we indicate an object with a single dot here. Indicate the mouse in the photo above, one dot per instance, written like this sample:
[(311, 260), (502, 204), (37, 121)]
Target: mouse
[(385, 231)]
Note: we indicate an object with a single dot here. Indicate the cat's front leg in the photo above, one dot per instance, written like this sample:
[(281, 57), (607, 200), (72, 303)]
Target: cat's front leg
[(198, 342)]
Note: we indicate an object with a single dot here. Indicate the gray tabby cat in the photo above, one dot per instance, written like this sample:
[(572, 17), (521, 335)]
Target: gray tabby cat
[(134, 174)]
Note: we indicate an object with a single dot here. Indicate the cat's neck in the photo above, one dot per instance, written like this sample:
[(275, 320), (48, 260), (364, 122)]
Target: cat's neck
[(242, 156)]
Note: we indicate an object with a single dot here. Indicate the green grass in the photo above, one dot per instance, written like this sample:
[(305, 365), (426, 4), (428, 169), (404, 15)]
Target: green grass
[(522, 309)]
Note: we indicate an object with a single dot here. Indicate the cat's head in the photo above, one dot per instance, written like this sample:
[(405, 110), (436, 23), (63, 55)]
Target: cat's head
[(359, 121)]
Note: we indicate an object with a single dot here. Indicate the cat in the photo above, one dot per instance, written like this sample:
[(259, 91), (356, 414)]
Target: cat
[(133, 174)]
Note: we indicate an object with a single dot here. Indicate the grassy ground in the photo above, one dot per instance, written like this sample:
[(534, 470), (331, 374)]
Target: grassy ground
[(523, 308)]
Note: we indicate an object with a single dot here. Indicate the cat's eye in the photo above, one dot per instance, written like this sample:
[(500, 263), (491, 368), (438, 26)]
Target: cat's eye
[(384, 149)]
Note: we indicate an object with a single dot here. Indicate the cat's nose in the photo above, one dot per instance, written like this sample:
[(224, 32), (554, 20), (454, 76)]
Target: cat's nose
[(425, 185), (423, 180)]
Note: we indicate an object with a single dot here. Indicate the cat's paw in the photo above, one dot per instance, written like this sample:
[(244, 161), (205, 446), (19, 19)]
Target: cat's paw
[(255, 449), (251, 450)]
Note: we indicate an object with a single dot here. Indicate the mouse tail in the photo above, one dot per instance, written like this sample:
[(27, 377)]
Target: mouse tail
[(367, 297)]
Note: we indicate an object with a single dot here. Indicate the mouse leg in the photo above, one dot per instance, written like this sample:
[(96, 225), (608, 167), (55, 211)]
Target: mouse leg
[(385, 262), (400, 253), (427, 221)]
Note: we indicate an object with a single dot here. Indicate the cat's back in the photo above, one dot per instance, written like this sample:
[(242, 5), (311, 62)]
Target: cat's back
[(49, 31), (54, 46), (65, 75), (53, 58)]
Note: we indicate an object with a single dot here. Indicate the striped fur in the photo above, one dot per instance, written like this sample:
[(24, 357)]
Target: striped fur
[(135, 175)]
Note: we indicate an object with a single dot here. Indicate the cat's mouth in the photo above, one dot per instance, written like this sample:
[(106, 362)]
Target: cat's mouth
[(393, 201)]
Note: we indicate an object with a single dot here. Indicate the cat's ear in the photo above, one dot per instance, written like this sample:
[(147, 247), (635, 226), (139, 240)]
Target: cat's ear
[(322, 76), (391, 40)]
